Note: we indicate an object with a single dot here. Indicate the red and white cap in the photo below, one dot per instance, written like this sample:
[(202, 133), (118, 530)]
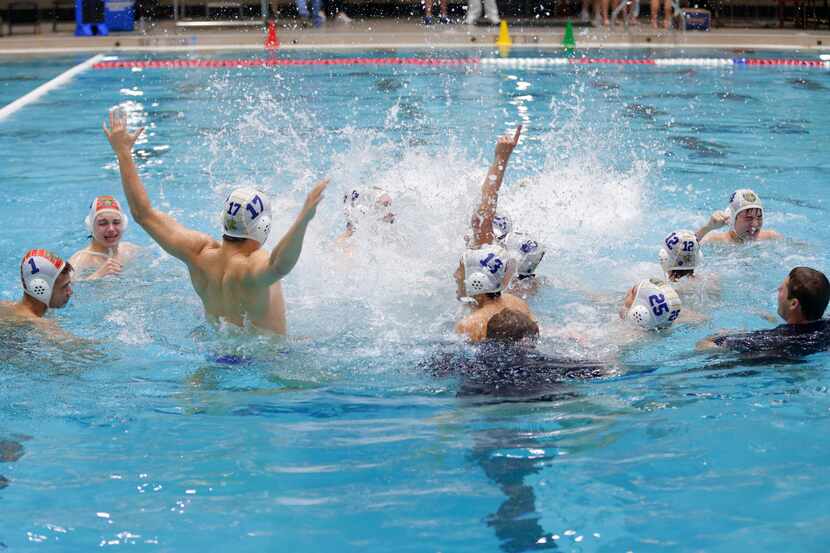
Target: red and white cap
[(104, 204), (38, 272)]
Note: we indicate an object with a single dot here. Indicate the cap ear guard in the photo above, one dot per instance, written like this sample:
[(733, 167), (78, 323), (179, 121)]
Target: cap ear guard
[(641, 316)]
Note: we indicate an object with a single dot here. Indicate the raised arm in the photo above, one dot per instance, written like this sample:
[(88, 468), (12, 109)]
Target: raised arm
[(287, 252), (483, 216), (717, 220), (174, 238)]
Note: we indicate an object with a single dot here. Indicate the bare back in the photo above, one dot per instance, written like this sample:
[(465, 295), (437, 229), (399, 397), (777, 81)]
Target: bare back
[(219, 274), (474, 325)]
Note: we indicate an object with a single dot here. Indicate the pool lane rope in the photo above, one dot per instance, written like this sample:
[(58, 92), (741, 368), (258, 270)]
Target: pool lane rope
[(484, 62), (61, 79)]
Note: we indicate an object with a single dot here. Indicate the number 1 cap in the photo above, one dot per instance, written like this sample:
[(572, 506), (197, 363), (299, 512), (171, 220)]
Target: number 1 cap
[(38, 272), (247, 214), (486, 269), (656, 305)]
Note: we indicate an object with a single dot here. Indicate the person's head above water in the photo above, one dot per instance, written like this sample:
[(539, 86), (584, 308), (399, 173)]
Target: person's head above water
[(502, 227), (680, 254), (486, 270), (509, 325), (246, 215), (803, 295), (106, 221), (746, 214), (46, 278), (357, 204), (651, 304), (527, 252)]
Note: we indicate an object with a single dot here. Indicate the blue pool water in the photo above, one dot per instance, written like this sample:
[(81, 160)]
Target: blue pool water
[(342, 437)]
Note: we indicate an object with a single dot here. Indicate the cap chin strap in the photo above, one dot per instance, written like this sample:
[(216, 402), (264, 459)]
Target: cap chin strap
[(477, 283)]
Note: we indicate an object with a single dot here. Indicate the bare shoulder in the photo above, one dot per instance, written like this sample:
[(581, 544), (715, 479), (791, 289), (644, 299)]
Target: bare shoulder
[(516, 303), (716, 237), (243, 267), (770, 235), (129, 249), (82, 258), (473, 326)]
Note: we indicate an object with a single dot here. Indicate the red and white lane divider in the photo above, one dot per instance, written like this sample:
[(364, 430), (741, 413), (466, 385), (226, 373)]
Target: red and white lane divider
[(486, 62)]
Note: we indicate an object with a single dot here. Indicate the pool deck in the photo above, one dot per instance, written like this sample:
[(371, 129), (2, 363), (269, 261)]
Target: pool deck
[(394, 34)]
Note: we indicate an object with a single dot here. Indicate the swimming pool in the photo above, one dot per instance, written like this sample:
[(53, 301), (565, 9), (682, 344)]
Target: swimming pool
[(341, 438)]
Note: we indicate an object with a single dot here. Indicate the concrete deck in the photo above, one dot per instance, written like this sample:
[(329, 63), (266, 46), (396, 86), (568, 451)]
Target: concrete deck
[(394, 34)]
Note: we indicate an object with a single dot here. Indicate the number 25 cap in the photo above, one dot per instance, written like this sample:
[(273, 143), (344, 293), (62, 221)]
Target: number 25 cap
[(38, 271), (247, 214), (656, 305)]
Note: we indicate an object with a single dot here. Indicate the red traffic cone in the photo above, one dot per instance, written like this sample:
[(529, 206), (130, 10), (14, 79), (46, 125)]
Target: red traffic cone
[(271, 41)]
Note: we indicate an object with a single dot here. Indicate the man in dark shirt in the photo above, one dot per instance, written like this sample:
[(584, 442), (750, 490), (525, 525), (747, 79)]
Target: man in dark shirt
[(802, 299)]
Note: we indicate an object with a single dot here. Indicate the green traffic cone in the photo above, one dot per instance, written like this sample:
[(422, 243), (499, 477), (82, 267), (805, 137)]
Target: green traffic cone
[(568, 41)]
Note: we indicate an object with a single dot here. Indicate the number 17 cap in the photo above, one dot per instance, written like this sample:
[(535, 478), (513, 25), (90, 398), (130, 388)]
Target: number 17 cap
[(38, 272), (247, 214)]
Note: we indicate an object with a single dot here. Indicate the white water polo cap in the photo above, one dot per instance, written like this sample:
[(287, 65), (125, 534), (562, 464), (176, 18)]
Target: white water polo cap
[(527, 252), (247, 214), (486, 269), (680, 252), (38, 271), (502, 227), (656, 305), (101, 205), (742, 200)]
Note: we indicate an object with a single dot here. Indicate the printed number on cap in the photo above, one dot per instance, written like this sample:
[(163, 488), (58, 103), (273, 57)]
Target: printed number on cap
[(34, 267), (492, 263), (233, 207), (251, 207), (671, 240), (658, 304), (673, 315), (688, 246), (529, 246)]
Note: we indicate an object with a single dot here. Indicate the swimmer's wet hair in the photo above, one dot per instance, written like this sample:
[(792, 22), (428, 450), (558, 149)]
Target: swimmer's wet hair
[(511, 326), (811, 289), (680, 273)]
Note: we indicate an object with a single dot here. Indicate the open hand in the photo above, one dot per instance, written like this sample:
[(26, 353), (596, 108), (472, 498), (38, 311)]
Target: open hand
[(120, 138), (506, 143), (313, 199)]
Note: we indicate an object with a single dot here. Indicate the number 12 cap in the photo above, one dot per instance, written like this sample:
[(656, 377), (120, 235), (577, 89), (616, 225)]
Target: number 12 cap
[(38, 272), (247, 214)]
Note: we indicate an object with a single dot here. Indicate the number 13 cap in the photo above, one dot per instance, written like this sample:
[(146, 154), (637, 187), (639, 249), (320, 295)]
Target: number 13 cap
[(247, 214), (38, 271), (649, 313), (486, 269)]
